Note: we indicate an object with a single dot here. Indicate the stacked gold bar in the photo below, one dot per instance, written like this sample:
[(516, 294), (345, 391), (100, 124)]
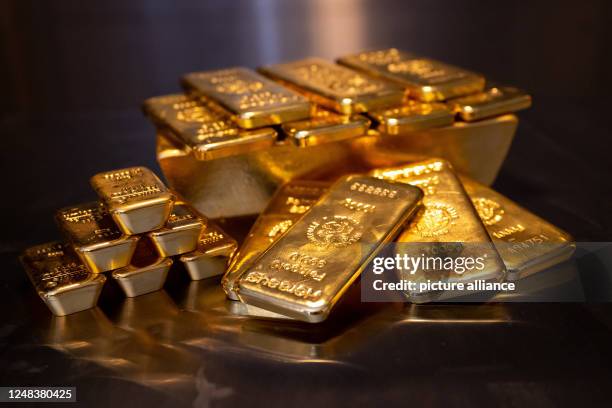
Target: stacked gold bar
[(132, 232)]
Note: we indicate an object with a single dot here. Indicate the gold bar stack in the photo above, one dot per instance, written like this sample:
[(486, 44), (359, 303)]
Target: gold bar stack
[(132, 232)]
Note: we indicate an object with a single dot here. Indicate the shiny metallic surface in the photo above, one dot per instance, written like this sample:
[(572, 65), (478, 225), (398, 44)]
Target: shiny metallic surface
[(491, 102), (412, 116), (181, 232), (212, 254)]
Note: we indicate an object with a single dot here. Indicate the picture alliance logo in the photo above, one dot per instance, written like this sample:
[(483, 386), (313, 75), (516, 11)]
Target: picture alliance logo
[(412, 264)]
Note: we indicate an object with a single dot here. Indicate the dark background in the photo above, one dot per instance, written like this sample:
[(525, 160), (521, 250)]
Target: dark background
[(73, 75)]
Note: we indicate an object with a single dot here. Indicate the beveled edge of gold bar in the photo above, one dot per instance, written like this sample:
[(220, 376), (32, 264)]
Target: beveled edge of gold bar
[(131, 270), (325, 127), (388, 95), (298, 108), (423, 90), (412, 116), (188, 229), (225, 138), (491, 102)]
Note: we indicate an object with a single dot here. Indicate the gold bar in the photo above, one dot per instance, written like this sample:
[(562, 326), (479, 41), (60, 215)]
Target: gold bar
[(286, 206), (336, 87), (412, 116), (526, 243), (95, 237), (447, 221), (181, 232), (138, 201), (214, 250), (492, 102), (325, 127), (204, 127), (425, 79), (253, 100), (146, 273), (62, 281), (304, 273)]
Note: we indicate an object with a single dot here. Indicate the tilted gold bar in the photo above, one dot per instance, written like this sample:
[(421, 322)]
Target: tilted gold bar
[(447, 223), (286, 206), (62, 281), (181, 232), (214, 250), (336, 87), (95, 237), (253, 100), (146, 273), (304, 273), (492, 102), (412, 116), (526, 243), (205, 127), (138, 201), (426, 79), (325, 127)]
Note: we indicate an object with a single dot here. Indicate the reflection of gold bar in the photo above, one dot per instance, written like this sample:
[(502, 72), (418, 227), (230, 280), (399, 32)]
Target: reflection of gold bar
[(181, 232), (336, 87), (213, 252), (138, 201), (204, 127), (526, 243), (492, 102), (62, 281), (95, 237), (286, 206), (254, 100), (448, 218), (426, 79), (146, 273), (304, 273), (325, 127), (412, 116)]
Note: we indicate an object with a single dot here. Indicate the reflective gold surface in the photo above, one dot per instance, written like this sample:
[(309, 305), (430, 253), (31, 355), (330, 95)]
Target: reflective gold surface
[(146, 273), (212, 254), (205, 128), (336, 87), (526, 243), (287, 205), (62, 281), (447, 223), (253, 100), (181, 232), (325, 127), (426, 79), (95, 236), (305, 272), (412, 116), (493, 101), (136, 198)]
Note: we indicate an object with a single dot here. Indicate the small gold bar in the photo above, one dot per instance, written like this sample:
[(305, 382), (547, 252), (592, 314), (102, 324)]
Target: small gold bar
[(214, 250), (62, 281), (138, 201), (305, 272), (206, 128), (492, 102), (146, 273), (95, 237), (425, 79), (526, 243), (286, 206), (447, 222), (253, 100), (412, 116), (324, 127), (181, 232), (336, 87)]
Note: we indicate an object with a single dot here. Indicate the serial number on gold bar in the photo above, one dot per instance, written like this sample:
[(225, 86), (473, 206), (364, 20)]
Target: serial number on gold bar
[(253, 100), (426, 79), (335, 86), (205, 127), (305, 272)]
